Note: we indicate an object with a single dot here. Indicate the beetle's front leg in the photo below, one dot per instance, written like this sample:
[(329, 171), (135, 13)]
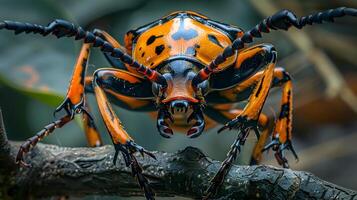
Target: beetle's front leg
[(246, 120), (249, 116), (123, 143), (73, 103)]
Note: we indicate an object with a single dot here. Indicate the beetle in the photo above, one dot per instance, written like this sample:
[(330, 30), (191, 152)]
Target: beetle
[(190, 70)]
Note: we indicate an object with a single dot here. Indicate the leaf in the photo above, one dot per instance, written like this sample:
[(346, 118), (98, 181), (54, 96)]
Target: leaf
[(48, 97)]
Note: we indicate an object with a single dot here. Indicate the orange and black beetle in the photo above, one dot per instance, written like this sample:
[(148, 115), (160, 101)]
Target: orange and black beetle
[(188, 68)]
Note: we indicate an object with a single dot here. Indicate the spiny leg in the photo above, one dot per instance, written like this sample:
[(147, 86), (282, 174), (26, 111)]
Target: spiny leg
[(122, 141), (245, 121), (281, 79), (282, 133), (73, 104), (226, 165), (31, 142), (222, 114)]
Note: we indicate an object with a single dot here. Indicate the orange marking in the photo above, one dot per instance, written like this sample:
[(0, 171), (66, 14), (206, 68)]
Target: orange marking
[(34, 77), (246, 54), (88, 80), (180, 88), (128, 40), (44, 88), (130, 77), (111, 40)]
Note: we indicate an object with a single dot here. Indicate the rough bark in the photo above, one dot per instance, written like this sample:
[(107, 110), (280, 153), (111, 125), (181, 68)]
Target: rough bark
[(83, 171)]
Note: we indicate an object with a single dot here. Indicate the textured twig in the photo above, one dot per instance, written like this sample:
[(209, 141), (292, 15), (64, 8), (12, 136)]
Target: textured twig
[(82, 171)]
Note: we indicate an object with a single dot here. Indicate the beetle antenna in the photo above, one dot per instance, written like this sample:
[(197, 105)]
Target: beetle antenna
[(283, 19), (61, 28)]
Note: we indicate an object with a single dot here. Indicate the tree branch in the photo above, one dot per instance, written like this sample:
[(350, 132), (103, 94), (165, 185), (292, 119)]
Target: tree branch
[(83, 171)]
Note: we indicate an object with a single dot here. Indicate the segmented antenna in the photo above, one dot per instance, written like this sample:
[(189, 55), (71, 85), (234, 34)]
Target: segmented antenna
[(61, 28), (283, 19)]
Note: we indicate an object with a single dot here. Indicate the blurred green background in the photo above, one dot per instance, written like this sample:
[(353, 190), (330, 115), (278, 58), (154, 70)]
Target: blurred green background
[(35, 71)]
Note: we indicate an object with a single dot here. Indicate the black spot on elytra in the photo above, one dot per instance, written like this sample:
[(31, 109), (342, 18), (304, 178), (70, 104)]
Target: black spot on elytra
[(159, 49), (152, 39), (151, 64), (140, 49), (213, 39), (186, 34), (143, 54)]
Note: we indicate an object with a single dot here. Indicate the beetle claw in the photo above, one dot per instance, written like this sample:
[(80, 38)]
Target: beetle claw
[(279, 149), (162, 126), (197, 129)]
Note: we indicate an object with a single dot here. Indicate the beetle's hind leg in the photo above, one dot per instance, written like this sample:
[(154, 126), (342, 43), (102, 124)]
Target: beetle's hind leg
[(282, 133)]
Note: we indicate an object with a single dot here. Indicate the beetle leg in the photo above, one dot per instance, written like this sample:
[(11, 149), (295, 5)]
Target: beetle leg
[(122, 141), (90, 129), (226, 165), (225, 112), (248, 118), (282, 133), (31, 142), (73, 103), (245, 121)]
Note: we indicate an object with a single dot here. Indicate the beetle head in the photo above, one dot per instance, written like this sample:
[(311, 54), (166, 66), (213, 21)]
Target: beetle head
[(179, 99)]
